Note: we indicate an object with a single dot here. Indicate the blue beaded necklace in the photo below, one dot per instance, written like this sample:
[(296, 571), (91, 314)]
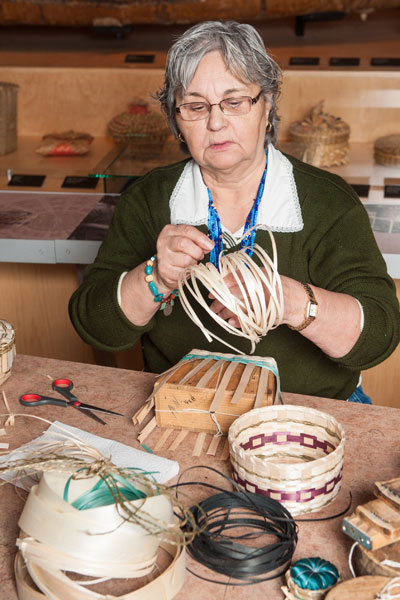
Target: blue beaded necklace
[(215, 228)]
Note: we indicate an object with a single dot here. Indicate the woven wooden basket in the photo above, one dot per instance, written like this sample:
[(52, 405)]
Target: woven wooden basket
[(8, 117), (142, 134), (7, 350), (325, 137), (292, 454), (387, 150)]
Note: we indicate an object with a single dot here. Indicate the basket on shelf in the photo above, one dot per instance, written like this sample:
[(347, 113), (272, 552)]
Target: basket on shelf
[(387, 150), (293, 454), (141, 131), (8, 117), (326, 138), (7, 350)]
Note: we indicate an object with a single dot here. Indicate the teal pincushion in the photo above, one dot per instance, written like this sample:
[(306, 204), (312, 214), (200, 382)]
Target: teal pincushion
[(314, 574)]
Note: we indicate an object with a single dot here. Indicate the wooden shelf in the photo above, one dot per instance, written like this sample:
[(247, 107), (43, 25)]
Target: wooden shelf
[(56, 168)]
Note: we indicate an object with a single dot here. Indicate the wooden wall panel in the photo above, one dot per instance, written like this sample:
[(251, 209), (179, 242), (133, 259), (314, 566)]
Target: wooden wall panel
[(34, 298), (54, 99)]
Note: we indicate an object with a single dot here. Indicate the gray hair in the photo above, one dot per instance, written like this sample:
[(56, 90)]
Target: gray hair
[(244, 54)]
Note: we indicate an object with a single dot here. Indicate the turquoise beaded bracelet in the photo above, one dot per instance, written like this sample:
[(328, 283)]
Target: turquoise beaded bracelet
[(166, 303), (150, 280)]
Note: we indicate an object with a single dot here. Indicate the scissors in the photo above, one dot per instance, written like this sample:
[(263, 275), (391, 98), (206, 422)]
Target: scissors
[(64, 387)]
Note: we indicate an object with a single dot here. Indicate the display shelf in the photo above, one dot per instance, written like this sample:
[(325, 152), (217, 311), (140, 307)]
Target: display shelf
[(26, 160), (123, 164)]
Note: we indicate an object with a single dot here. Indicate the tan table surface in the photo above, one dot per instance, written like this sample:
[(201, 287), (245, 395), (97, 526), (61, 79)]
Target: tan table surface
[(372, 453)]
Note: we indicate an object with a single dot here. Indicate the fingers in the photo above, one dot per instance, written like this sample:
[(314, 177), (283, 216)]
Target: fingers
[(226, 314), (178, 247)]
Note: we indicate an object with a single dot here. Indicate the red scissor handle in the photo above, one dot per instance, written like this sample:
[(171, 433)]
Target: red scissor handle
[(38, 400)]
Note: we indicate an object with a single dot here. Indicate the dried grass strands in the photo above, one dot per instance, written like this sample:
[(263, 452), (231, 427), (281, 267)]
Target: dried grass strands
[(72, 455), (256, 316)]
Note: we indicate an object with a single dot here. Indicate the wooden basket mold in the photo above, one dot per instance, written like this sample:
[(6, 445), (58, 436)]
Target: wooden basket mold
[(207, 392), (7, 350), (293, 454), (8, 117)]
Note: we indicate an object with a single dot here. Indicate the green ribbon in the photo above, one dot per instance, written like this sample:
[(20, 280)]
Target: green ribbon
[(103, 493), (239, 359)]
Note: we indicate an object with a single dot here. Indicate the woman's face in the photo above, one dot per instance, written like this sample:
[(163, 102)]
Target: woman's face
[(221, 142)]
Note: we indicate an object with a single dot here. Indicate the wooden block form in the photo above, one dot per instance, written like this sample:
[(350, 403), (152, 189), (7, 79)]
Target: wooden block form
[(208, 395), (390, 489), (369, 535), (383, 515)]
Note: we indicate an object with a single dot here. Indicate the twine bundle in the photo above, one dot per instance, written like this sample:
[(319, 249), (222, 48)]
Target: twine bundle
[(293, 454), (256, 315), (7, 350)]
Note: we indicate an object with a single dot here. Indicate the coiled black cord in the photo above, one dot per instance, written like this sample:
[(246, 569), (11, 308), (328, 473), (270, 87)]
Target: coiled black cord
[(232, 517)]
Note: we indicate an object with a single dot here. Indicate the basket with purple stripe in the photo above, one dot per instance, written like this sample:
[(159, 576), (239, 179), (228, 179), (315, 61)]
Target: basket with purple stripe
[(293, 454)]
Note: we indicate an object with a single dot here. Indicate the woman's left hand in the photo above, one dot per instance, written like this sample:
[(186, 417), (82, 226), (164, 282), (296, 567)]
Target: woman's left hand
[(220, 309)]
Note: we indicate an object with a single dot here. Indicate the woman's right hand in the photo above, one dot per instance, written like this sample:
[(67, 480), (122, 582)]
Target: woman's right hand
[(178, 247)]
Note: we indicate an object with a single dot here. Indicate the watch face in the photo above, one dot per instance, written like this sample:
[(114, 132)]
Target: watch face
[(312, 310)]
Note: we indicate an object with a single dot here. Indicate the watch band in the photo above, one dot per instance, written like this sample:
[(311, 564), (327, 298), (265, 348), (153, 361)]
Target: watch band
[(311, 309)]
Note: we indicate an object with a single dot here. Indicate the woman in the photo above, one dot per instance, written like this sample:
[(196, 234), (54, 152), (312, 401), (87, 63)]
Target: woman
[(340, 308)]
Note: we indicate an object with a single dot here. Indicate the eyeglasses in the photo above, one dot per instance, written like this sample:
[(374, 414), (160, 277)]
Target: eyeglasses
[(233, 107)]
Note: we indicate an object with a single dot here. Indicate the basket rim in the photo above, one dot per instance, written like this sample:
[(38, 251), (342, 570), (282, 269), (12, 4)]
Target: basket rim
[(238, 451)]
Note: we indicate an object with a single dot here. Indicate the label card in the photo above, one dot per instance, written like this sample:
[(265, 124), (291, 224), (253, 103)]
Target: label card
[(304, 60), (139, 58), (342, 61), (76, 181), (27, 180), (361, 189), (392, 191), (385, 62)]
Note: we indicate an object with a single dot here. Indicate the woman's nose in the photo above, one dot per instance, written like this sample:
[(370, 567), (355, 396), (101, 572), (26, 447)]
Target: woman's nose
[(216, 118)]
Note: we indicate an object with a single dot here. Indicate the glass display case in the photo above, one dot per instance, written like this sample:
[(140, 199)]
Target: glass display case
[(124, 164)]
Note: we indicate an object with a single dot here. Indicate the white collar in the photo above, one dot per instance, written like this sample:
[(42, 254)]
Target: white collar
[(279, 207)]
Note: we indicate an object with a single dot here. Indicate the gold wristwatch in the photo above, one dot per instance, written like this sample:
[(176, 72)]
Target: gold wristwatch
[(311, 309)]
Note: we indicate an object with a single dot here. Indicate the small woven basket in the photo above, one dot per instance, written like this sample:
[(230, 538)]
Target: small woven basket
[(302, 594), (387, 150), (292, 454), (140, 131), (326, 138), (8, 117), (7, 350)]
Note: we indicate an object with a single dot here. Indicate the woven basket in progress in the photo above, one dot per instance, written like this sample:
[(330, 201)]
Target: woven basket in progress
[(293, 454)]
